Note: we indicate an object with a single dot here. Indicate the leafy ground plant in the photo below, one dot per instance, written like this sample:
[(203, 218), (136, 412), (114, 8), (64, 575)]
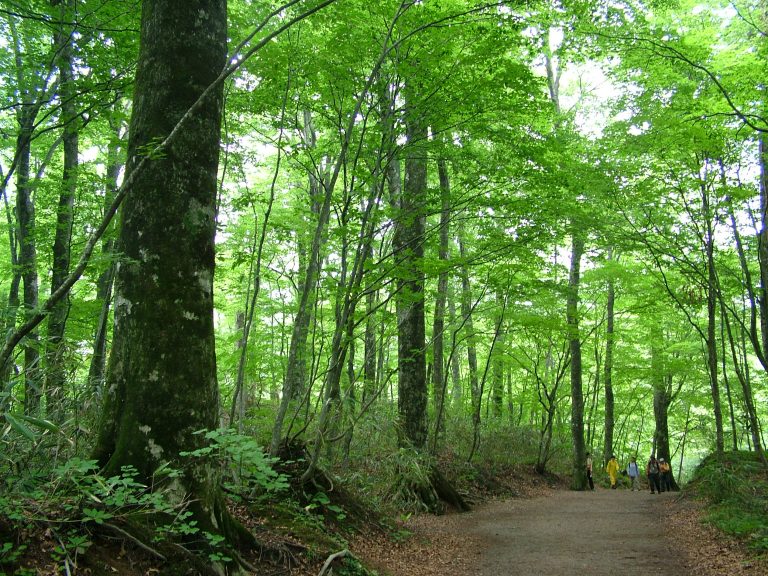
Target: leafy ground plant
[(736, 487)]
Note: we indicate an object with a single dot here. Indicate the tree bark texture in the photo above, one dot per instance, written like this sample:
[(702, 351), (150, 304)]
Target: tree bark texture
[(161, 382), (408, 247), (577, 396), (25, 235)]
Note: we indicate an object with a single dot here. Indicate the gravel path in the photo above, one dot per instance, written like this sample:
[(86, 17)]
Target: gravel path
[(601, 533)]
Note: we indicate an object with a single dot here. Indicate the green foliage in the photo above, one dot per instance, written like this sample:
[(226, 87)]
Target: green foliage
[(74, 497), (736, 488), (248, 470)]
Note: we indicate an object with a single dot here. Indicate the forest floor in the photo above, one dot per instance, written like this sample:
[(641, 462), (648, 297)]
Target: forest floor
[(555, 531)]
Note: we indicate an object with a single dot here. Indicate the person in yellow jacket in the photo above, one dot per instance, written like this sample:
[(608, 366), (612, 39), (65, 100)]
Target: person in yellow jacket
[(613, 470)]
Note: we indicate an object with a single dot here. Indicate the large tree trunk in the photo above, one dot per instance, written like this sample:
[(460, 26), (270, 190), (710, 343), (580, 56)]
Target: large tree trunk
[(577, 396), (161, 382), (408, 248)]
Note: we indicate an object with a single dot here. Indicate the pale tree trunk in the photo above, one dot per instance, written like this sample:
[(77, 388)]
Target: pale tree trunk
[(457, 392), (295, 381), (346, 305), (577, 397), (369, 360), (161, 383), (608, 368), (711, 341), (55, 377), (438, 325), (105, 281), (497, 392), (469, 326), (741, 368), (762, 243), (239, 397)]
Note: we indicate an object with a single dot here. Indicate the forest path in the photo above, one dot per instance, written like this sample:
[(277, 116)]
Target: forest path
[(558, 532), (600, 533)]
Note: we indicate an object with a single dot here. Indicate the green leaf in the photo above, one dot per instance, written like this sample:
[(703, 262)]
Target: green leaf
[(42, 423), (20, 427)]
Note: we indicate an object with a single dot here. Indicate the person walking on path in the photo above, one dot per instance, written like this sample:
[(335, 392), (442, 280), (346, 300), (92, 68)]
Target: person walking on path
[(633, 471), (613, 470), (652, 470), (665, 476), (589, 472)]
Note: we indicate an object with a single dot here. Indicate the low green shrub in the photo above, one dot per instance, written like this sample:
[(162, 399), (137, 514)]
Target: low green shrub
[(735, 486)]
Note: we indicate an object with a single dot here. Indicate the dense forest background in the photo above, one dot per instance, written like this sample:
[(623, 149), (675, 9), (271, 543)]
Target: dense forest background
[(447, 233)]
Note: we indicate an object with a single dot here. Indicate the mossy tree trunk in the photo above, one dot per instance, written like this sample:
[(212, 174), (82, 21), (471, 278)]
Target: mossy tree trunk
[(408, 247), (161, 379)]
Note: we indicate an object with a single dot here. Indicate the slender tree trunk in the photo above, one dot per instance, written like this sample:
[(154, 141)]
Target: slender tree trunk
[(742, 374), (105, 281), (762, 242), (25, 219), (469, 326), (296, 370), (438, 325), (577, 397), (608, 368), (711, 341), (56, 346), (369, 360), (457, 392), (726, 380), (9, 320), (497, 392)]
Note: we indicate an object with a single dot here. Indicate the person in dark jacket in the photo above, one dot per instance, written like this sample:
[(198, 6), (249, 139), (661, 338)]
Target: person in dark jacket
[(652, 471)]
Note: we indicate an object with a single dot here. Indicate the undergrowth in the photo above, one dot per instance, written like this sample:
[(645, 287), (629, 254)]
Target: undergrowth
[(735, 487)]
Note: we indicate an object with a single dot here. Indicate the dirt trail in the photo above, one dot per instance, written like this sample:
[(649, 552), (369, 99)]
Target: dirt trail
[(566, 533), (553, 532)]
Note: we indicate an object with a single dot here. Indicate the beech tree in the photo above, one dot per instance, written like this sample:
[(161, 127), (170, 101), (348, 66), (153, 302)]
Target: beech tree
[(161, 386)]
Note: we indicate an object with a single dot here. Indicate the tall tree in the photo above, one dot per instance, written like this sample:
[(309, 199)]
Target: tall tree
[(161, 381), (55, 345), (408, 247)]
